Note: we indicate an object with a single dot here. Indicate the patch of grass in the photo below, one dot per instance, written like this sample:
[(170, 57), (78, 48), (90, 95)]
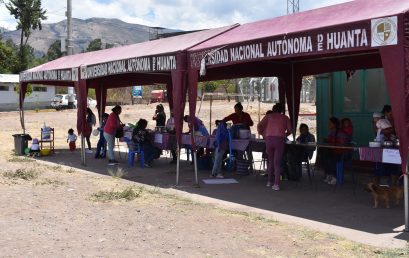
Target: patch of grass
[(56, 167), (117, 172), (20, 159), (389, 253), (70, 170), (49, 181), (128, 194), (26, 174)]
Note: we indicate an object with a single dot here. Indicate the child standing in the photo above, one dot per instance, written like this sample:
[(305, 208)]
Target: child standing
[(101, 145), (71, 138)]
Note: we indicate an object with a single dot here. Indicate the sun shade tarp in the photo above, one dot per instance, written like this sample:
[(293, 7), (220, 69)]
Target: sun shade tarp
[(359, 34), (158, 61)]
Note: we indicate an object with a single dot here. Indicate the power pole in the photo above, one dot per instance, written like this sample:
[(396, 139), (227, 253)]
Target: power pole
[(70, 50), (293, 6)]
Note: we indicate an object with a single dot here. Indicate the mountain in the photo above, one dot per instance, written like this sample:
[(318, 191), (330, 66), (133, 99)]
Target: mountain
[(112, 31)]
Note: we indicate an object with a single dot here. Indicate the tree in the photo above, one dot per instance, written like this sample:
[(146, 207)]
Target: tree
[(8, 57), (94, 45), (29, 15), (54, 51)]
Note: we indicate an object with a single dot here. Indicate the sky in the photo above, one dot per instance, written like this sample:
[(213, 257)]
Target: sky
[(175, 14)]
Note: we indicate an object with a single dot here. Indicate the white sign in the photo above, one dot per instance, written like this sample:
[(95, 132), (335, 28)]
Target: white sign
[(384, 31), (391, 156)]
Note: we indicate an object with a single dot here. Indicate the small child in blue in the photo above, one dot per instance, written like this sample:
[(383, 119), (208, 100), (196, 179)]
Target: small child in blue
[(101, 146)]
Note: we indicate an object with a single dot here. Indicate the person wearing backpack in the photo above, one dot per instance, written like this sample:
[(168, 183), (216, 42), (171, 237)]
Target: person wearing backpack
[(221, 145)]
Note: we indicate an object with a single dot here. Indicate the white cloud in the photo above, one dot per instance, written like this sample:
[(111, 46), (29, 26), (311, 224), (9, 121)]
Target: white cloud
[(178, 14)]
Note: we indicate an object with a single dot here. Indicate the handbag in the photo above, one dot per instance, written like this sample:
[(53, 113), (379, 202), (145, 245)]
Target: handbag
[(119, 132)]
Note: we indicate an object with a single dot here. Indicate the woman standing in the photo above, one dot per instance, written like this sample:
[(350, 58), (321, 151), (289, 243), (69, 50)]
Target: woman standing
[(90, 122), (160, 116), (112, 125), (239, 117), (274, 128)]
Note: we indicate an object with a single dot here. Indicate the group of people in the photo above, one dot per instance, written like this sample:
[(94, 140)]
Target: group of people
[(274, 127)]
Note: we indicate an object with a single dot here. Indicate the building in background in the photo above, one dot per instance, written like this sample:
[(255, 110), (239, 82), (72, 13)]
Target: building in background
[(40, 96)]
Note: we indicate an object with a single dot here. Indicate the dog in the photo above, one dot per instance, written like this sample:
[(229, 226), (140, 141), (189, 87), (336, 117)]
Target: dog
[(385, 193)]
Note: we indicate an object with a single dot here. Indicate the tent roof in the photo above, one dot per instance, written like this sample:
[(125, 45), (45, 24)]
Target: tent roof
[(350, 12), (149, 48)]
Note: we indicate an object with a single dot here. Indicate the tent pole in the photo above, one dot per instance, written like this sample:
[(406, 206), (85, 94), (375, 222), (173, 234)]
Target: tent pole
[(84, 162), (177, 163), (100, 109), (259, 97), (406, 185), (195, 164), (293, 100), (210, 122)]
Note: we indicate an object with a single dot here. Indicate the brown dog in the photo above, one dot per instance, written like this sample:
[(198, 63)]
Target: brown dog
[(386, 193)]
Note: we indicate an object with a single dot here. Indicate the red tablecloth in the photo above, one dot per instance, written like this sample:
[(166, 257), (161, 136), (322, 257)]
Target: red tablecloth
[(370, 154)]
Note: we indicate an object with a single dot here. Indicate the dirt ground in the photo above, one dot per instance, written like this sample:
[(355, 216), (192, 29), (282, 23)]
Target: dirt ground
[(53, 211)]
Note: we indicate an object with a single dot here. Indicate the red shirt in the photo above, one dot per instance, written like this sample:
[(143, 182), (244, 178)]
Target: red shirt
[(244, 119), (112, 124)]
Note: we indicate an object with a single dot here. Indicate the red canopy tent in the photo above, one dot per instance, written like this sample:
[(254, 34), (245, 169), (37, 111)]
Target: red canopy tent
[(158, 61), (355, 35)]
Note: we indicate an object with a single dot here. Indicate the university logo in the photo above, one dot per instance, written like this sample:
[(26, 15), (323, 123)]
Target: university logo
[(384, 31)]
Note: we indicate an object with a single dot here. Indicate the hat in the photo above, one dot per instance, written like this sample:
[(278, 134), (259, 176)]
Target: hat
[(377, 115), (35, 141)]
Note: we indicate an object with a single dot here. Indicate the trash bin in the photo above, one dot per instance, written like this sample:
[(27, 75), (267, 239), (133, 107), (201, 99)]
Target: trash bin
[(21, 143)]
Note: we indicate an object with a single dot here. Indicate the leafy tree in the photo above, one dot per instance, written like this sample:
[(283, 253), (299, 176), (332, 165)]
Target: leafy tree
[(8, 57), (109, 45), (29, 15), (94, 45), (54, 51)]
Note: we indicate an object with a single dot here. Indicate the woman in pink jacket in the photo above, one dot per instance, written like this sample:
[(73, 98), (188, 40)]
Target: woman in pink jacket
[(274, 128)]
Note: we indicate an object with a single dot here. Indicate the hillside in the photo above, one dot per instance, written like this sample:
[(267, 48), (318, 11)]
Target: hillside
[(112, 31)]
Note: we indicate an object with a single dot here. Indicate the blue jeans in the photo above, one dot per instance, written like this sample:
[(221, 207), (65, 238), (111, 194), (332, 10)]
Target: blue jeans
[(218, 160), (101, 147), (111, 143)]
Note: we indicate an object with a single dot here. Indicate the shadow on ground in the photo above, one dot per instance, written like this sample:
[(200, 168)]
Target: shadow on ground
[(318, 202)]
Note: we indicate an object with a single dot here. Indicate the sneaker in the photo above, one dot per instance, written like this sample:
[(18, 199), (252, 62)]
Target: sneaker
[(327, 179), (276, 187), (333, 181), (212, 176), (147, 165), (268, 184), (88, 151), (219, 176)]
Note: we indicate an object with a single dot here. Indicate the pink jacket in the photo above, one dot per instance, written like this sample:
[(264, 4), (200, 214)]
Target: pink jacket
[(274, 124)]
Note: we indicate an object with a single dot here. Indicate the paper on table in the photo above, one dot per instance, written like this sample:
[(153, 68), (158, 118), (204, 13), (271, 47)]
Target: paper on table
[(158, 138), (391, 156)]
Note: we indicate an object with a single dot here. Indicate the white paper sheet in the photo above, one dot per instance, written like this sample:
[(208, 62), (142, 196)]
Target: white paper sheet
[(391, 156), (221, 181)]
